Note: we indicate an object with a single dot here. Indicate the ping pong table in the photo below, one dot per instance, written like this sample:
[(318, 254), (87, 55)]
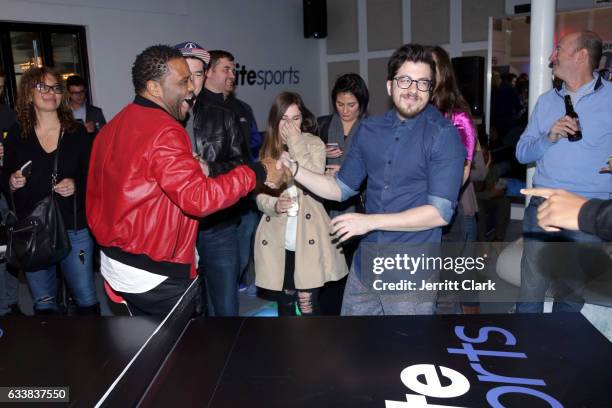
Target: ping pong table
[(538, 360)]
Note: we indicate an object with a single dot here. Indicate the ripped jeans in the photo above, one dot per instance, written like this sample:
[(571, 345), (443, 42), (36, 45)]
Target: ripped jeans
[(77, 268), (307, 299)]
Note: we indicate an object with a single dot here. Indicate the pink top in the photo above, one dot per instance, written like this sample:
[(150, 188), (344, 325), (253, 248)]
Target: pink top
[(467, 131)]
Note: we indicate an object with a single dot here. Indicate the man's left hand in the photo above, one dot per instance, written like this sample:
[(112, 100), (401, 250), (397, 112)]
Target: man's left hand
[(560, 210), (346, 226)]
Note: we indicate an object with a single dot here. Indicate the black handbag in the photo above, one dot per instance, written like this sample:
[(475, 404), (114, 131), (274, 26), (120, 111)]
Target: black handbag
[(40, 239)]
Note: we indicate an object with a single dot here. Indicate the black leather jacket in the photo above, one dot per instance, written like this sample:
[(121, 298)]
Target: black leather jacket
[(595, 217), (219, 141), (217, 134)]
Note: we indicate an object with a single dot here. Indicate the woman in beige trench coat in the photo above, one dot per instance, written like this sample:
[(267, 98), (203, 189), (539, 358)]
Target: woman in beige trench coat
[(294, 254)]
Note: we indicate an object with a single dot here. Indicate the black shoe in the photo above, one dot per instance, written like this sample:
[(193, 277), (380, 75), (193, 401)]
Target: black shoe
[(93, 310), (14, 310), (46, 312)]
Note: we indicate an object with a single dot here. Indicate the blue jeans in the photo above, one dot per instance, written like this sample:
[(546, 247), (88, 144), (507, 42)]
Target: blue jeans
[(246, 230), (218, 267), (361, 300), (534, 279), (9, 286), (77, 268)]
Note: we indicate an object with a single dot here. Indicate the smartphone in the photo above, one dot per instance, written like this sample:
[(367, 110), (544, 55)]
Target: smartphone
[(333, 145), (26, 169)]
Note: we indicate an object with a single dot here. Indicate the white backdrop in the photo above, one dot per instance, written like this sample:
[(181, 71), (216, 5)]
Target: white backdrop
[(264, 35)]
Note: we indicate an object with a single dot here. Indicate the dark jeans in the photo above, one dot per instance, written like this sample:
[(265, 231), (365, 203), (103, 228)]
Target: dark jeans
[(77, 268), (158, 301), (461, 234), (9, 287), (538, 259), (218, 268), (496, 210), (246, 231)]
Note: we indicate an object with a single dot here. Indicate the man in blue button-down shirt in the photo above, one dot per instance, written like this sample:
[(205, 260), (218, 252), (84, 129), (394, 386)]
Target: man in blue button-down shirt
[(413, 160)]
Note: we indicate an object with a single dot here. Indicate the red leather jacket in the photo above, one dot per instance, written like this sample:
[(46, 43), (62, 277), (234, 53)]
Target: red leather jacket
[(145, 191)]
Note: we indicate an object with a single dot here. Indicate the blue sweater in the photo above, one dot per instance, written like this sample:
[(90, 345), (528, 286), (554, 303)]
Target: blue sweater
[(573, 166)]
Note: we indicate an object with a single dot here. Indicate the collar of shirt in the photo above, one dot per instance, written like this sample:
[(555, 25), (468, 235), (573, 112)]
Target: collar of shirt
[(211, 96), (580, 92), (147, 103), (395, 120), (80, 112)]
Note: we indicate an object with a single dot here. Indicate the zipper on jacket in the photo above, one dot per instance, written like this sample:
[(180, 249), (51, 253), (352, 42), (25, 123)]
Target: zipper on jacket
[(32, 225)]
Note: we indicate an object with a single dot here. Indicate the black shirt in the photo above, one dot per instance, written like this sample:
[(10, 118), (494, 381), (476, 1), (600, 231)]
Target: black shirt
[(7, 118), (73, 162)]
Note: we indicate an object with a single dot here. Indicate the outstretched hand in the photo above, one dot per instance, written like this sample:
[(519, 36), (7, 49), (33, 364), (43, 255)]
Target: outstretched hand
[(560, 210), (346, 226)]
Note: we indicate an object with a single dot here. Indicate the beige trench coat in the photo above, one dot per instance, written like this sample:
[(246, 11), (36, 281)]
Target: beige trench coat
[(317, 259)]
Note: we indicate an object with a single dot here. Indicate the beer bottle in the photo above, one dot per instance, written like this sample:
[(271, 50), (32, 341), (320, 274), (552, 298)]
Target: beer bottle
[(569, 111)]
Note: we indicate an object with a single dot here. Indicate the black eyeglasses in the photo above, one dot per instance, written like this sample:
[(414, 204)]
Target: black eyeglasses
[(44, 88), (405, 82)]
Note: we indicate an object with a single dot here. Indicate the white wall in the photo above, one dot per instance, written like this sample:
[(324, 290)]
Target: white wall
[(262, 34)]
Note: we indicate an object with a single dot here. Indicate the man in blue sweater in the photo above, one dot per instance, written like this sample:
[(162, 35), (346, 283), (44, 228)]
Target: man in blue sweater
[(563, 164)]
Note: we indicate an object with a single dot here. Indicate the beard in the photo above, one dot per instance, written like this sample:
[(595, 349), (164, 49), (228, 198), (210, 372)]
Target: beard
[(411, 110), (180, 108)]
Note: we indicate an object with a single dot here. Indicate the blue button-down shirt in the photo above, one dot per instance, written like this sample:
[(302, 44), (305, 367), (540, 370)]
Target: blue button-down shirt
[(407, 163)]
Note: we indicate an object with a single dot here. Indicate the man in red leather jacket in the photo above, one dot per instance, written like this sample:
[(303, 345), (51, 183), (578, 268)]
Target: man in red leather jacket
[(146, 191)]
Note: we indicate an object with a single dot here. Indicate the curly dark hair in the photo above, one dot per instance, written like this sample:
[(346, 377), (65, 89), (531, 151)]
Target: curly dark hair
[(272, 144), (26, 114), (152, 65)]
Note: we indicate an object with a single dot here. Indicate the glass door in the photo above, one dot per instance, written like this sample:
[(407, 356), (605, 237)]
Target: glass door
[(24, 45), (66, 54), (26, 52)]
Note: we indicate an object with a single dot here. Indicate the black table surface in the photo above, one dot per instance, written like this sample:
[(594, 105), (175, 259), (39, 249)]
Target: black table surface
[(311, 362), (357, 361), (85, 354)]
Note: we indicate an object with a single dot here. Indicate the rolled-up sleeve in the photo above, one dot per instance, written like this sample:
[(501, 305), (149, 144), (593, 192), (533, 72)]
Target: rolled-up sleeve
[(445, 207), (445, 172), (345, 191)]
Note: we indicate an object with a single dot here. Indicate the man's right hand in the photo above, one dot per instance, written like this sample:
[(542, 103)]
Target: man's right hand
[(562, 128), (17, 180)]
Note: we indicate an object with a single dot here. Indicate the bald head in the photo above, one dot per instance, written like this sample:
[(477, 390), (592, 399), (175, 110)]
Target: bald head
[(575, 57), (591, 42)]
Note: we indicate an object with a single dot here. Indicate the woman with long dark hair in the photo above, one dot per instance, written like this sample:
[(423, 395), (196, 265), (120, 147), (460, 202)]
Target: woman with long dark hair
[(350, 98), (294, 253), (44, 125), (449, 101)]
